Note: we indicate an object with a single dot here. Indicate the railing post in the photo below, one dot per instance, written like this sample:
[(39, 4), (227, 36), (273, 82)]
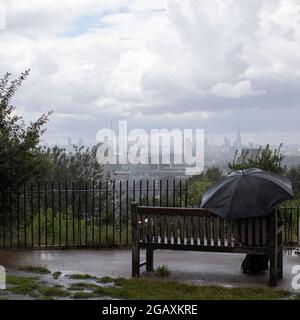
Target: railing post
[(149, 260), (298, 226), (273, 248), (135, 240)]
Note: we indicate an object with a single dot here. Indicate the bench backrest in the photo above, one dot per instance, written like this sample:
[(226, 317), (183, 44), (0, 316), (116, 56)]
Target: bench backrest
[(195, 226)]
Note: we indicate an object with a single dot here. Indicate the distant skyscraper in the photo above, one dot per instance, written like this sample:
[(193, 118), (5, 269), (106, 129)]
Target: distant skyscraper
[(238, 139), (226, 143)]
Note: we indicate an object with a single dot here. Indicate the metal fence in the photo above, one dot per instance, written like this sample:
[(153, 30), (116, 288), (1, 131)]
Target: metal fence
[(291, 226), (90, 214)]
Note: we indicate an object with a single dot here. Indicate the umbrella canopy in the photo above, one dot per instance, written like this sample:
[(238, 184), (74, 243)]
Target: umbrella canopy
[(247, 193)]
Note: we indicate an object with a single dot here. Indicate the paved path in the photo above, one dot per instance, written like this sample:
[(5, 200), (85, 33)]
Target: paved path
[(197, 267)]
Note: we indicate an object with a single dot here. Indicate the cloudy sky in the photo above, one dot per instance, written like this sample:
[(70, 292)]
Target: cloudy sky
[(214, 65)]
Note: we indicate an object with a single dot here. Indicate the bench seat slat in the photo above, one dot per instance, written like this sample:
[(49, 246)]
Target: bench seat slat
[(221, 231), (216, 230), (201, 230), (229, 232), (191, 247), (188, 229)]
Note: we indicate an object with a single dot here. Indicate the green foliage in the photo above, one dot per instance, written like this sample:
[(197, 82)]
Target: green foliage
[(196, 190), (264, 159), (20, 158), (213, 174), (46, 224), (105, 280), (294, 175), (198, 184), (78, 165), (56, 274), (35, 269), (162, 271)]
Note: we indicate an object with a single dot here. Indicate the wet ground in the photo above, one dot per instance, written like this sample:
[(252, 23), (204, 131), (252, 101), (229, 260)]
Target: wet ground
[(196, 267)]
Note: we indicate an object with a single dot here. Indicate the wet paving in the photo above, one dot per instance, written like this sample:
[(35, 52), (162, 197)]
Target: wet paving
[(196, 267)]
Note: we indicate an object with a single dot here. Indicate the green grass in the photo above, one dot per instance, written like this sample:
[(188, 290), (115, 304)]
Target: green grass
[(33, 287), (141, 288), (47, 298), (34, 269), (82, 286), (53, 292), (105, 280), (81, 276), (56, 274), (22, 285), (83, 295), (16, 280), (146, 289)]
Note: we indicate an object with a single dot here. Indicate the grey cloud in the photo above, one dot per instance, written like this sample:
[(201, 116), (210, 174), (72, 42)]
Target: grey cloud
[(165, 74)]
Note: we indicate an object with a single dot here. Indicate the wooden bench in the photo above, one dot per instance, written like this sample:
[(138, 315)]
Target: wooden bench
[(195, 229)]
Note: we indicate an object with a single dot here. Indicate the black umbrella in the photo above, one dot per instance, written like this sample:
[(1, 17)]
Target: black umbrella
[(247, 193)]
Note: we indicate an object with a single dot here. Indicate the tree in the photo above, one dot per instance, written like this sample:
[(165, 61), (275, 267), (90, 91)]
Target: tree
[(79, 165), (196, 190), (20, 159), (198, 184), (294, 175), (213, 174), (264, 159)]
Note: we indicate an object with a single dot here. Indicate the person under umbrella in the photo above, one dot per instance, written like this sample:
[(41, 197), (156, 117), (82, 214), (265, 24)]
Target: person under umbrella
[(246, 194)]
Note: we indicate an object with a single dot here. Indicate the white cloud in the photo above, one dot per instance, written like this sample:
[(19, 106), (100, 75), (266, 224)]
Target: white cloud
[(273, 53), (142, 60), (237, 90)]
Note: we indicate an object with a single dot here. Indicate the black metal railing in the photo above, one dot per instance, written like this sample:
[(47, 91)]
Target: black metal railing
[(291, 226), (85, 214), (93, 214)]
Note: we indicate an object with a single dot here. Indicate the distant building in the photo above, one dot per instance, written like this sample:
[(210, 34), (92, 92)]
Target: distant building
[(238, 143)]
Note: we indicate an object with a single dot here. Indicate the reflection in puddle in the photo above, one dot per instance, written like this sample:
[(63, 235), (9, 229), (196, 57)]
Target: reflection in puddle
[(49, 256)]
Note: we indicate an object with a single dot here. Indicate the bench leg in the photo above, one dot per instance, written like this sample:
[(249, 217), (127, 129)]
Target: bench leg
[(273, 270), (149, 260), (280, 255), (135, 261), (280, 264)]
